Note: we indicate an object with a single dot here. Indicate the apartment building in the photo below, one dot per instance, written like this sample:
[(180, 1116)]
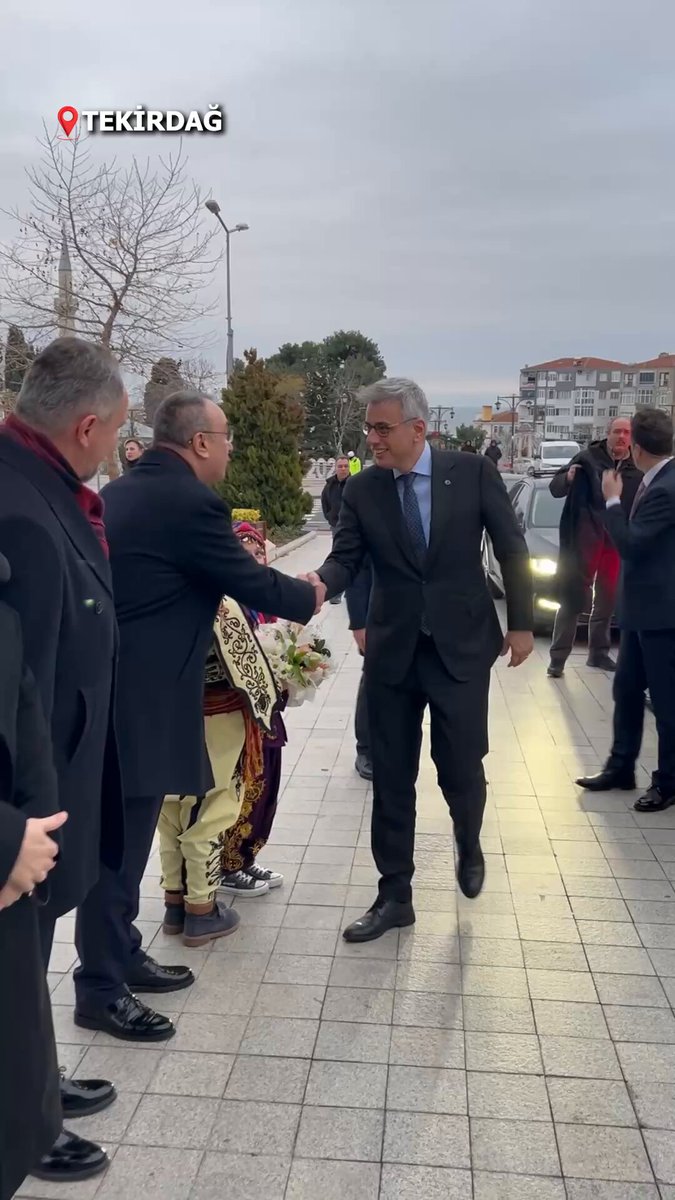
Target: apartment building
[(575, 397)]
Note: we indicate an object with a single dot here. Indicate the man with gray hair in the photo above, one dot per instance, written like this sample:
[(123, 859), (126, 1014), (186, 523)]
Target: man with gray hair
[(432, 632), (174, 556), (69, 411)]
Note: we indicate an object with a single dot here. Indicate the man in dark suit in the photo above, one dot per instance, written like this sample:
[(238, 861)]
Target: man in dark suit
[(30, 1105), (646, 542), (69, 411), (173, 556), (432, 634), (331, 498)]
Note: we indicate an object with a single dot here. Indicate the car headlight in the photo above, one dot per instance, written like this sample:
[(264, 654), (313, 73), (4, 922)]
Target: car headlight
[(543, 566)]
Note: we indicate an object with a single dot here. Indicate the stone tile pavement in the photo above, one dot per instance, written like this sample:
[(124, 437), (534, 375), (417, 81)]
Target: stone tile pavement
[(520, 1047)]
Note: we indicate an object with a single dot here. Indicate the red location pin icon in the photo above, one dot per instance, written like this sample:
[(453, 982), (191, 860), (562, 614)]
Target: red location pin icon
[(67, 118)]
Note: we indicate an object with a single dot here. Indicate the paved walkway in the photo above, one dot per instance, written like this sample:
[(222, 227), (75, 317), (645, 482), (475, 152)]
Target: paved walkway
[(520, 1047)]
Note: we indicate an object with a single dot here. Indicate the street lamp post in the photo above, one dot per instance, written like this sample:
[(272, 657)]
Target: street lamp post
[(214, 207), (512, 403)]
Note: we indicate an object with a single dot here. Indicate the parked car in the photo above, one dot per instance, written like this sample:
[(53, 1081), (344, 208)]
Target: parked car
[(538, 514), (551, 456)]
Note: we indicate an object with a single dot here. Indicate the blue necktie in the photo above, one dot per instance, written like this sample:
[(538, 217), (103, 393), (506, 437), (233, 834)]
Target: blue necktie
[(413, 517)]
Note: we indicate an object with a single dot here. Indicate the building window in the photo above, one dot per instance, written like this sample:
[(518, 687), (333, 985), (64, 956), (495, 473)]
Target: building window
[(645, 396), (604, 377), (565, 377), (614, 395), (583, 410), (628, 398), (587, 394), (602, 412), (613, 410), (665, 400), (646, 377), (664, 379), (628, 379), (616, 377)]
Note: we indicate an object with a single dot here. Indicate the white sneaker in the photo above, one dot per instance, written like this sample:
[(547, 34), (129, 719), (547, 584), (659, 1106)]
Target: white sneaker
[(240, 883), (272, 878)]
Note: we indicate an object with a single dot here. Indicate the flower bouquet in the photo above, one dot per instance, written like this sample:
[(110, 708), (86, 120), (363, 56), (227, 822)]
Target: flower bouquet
[(299, 660)]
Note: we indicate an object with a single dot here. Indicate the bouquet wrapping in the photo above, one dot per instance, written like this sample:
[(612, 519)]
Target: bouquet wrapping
[(299, 660)]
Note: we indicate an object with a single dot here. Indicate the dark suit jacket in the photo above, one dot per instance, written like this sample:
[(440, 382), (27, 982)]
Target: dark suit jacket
[(61, 588), (358, 597), (468, 496), (647, 548), (30, 1106), (331, 499), (174, 555)]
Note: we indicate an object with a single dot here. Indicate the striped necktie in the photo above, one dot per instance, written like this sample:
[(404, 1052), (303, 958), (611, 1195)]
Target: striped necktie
[(413, 517)]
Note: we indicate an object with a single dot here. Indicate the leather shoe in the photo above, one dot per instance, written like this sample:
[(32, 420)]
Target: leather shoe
[(71, 1158), (128, 1019), (151, 976), (602, 662), (608, 780), (471, 871), (84, 1097), (555, 670), (384, 915), (363, 767)]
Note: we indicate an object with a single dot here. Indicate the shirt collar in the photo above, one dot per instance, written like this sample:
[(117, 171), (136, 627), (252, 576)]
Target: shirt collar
[(422, 466), (651, 474)]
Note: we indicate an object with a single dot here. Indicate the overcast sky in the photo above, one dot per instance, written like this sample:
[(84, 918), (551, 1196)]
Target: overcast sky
[(475, 185)]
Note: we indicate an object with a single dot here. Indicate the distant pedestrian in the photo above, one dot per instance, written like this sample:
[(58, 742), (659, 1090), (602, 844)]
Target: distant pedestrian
[(354, 463), (493, 452), (331, 498), (468, 448)]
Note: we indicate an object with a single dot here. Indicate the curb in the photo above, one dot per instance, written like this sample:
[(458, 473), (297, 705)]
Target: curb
[(282, 551)]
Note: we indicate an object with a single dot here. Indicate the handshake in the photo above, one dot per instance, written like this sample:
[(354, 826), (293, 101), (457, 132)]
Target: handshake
[(319, 589)]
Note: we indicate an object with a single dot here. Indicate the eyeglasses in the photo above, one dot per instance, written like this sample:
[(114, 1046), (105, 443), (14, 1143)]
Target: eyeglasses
[(382, 430)]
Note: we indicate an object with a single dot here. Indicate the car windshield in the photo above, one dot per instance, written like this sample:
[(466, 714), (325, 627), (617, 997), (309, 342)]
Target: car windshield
[(563, 451), (546, 510)]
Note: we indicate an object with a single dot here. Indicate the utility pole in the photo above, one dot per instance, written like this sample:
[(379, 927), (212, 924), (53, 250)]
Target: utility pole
[(512, 404)]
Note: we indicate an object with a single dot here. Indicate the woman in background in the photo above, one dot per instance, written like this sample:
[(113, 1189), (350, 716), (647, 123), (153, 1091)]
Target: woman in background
[(241, 875)]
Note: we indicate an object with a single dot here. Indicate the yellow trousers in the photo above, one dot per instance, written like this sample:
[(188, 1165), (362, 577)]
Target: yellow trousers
[(189, 826)]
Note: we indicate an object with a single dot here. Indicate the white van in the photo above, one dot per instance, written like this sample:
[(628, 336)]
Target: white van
[(551, 456)]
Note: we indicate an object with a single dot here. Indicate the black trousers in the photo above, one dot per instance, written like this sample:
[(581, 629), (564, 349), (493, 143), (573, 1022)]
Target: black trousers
[(459, 743), (46, 928), (106, 938), (646, 661), (361, 726)]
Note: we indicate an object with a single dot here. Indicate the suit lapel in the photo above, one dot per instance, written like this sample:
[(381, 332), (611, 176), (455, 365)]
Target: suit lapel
[(63, 505), (441, 500)]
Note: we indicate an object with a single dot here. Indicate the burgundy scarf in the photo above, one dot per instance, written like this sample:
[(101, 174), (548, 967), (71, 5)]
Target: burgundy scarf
[(89, 502)]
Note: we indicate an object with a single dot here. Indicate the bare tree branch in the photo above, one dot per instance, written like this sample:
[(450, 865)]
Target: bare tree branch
[(139, 252)]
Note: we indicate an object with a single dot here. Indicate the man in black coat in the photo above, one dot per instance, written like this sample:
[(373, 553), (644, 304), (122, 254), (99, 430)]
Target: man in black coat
[(358, 600), (645, 540), (432, 634), (331, 499), (588, 561), (30, 1105), (173, 555), (69, 411)]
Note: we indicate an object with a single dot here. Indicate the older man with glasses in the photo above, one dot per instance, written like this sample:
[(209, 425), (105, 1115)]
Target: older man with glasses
[(432, 632), (173, 556)]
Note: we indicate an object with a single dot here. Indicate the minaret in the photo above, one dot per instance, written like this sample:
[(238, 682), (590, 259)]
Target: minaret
[(65, 304)]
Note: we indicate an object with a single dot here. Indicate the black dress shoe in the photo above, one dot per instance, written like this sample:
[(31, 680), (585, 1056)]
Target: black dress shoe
[(471, 871), (607, 780), (71, 1158), (555, 670), (84, 1097), (151, 976), (363, 767), (384, 915), (128, 1019)]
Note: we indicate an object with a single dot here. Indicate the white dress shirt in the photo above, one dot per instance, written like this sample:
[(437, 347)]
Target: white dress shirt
[(648, 477)]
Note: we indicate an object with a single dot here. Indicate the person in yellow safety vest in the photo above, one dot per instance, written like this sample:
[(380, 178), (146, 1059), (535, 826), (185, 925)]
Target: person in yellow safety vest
[(354, 463)]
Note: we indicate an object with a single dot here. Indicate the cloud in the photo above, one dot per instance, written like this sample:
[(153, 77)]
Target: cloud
[(475, 185)]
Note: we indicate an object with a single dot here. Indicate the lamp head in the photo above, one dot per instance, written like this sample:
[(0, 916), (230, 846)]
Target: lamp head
[(213, 207)]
